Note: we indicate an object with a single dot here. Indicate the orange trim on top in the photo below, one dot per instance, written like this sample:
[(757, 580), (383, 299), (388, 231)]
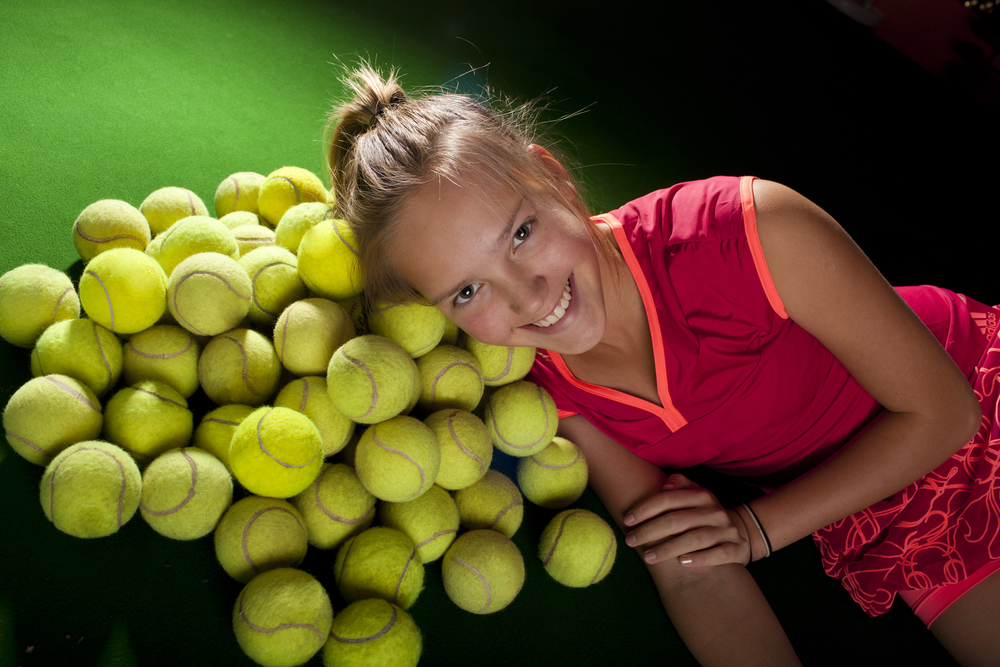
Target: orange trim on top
[(670, 416), (756, 251)]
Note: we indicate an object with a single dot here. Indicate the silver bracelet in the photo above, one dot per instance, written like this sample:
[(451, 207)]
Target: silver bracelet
[(756, 521)]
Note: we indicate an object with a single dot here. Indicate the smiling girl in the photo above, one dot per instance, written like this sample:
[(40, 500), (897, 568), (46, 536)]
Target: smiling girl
[(727, 322)]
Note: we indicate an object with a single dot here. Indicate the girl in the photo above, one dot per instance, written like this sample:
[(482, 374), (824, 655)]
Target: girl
[(727, 322)]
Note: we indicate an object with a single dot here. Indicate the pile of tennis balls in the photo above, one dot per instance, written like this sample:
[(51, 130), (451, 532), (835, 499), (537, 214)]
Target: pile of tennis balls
[(368, 433)]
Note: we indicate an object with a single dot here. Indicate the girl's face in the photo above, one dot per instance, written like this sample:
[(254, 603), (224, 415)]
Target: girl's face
[(515, 272)]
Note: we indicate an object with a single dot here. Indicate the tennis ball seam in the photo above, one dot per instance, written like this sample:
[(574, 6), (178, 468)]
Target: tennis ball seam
[(55, 310), (169, 355), (245, 536), (336, 517), (105, 239), (461, 445), (72, 392), (440, 533), (55, 472), (482, 580), (555, 543), (402, 576), (423, 476), (336, 230), (499, 435), (283, 626), (362, 640), (444, 371), (371, 380), (190, 493), (253, 284), (177, 288), (260, 443), (556, 466), (506, 368)]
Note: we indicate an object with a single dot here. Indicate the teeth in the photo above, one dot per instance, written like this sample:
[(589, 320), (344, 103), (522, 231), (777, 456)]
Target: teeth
[(560, 310)]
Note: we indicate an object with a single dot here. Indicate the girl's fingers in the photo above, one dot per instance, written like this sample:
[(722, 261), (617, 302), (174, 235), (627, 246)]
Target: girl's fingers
[(672, 524), (702, 547), (671, 500)]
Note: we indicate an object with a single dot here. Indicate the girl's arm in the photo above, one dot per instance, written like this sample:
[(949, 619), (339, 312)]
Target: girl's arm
[(719, 612), (830, 288)]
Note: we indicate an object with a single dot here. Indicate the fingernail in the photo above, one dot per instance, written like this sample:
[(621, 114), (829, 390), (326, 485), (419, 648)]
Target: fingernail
[(629, 519), (649, 557), (630, 540), (669, 485), (685, 560)]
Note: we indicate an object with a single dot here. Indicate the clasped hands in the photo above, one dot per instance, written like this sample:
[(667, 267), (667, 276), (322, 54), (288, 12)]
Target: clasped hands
[(686, 522)]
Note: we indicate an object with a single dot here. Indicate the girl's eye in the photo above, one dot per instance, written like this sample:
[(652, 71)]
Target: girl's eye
[(465, 294), (522, 233)]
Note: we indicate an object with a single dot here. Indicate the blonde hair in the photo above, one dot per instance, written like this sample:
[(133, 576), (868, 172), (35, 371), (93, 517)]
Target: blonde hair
[(384, 145)]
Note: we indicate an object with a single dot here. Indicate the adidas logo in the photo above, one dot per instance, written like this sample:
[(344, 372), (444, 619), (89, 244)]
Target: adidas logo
[(987, 322)]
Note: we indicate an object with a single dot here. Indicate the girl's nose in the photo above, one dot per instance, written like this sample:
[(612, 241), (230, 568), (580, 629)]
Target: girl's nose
[(528, 296)]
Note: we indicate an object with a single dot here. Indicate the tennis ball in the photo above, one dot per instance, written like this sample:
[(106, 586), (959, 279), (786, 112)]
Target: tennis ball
[(307, 334), (554, 477), (466, 449), (238, 193), (398, 459), (379, 563), (209, 293), (146, 419), (166, 206), (48, 414), (355, 308), (451, 333), (215, 431), (109, 223), (371, 379), (274, 277), (193, 235), (252, 237), (329, 262), (522, 418), (430, 521), (494, 502), (259, 534), (335, 506), (483, 571), (124, 290), (501, 365), (81, 349), (185, 492), (240, 219), (450, 377), (288, 187), (373, 632), (577, 548), (282, 618), (276, 452), (91, 489), (298, 220), (166, 353), (309, 396), (32, 297), (417, 327), (239, 366), (153, 249)]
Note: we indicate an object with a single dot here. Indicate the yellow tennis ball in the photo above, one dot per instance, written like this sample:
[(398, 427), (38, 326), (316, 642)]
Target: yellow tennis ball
[(483, 571), (450, 377), (300, 219), (252, 237), (371, 379), (147, 419), (185, 492), (215, 430), (276, 452), (240, 219), (501, 365), (373, 632), (451, 333), (309, 396), (466, 449), (282, 618), (166, 353), (239, 366), (124, 290), (379, 563), (307, 334), (554, 477), (494, 503), (398, 459), (81, 349), (417, 327), (257, 534), (430, 521), (329, 262), (275, 283), (193, 235), (109, 223), (335, 506), (287, 187), (354, 306), (91, 489), (48, 414), (522, 418), (209, 293), (32, 297), (577, 548), (163, 207), (238, 192)]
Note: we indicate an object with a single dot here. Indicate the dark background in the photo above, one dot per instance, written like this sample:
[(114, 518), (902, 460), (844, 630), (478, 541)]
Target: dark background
[(115, 99)]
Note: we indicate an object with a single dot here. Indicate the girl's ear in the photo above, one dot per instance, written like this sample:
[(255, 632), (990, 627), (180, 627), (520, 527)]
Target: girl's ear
[(554, 167)]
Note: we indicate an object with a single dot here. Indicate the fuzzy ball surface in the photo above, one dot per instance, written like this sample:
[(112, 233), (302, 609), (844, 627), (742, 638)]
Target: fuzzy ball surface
[(522, 418), (107, 224), (309, 396), (239, 366), (466, 448), (308, 332), (329, 262), (276, 452), (209, 293), (124, 290), (483, 571), (431, 521), (32, 297), (147, 419), (335, 507), (258, 534), (238, 192), (373, 632), (555, 477), (48, 414), (494, 503), (577, 548), (287, 187), (166, 353), (371, 379), (398, 459), (450, 377), (274, 281), (185, 491), (82, 349), (379, 563), (418, 328), (163, 207)]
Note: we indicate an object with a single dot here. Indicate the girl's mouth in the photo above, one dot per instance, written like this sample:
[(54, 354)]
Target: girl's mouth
[(560, 309)]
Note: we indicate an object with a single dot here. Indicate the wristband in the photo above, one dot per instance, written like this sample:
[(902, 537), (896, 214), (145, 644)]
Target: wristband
[(767, 542)]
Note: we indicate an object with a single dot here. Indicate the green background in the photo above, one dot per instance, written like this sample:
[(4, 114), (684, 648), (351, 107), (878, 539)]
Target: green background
[(115, 99)]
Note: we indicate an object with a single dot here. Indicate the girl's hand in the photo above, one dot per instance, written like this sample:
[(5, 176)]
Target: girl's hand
[(686, 522)]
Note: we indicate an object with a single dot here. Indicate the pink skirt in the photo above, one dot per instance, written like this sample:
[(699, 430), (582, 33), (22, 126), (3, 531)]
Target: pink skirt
[(935, 532)]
